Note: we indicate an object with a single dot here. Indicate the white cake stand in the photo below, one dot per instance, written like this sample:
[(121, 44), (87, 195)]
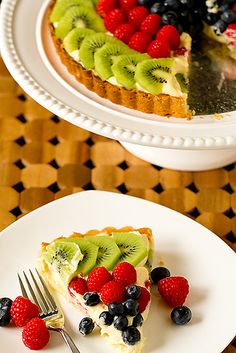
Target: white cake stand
[(200, 144)]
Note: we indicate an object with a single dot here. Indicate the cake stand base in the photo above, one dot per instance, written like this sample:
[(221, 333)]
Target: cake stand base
[(186, 160)]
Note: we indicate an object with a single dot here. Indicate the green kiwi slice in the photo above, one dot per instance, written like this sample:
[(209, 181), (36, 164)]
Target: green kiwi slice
[(124, 69), (62, 6), (74, 39), (132, 247), (64, 258), (183, 82), (79, 17), (152, 74), (108, 251)]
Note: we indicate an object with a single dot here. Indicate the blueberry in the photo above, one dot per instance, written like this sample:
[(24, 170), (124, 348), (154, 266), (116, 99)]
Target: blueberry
[(131, 335), (211, 18), (224, 7), (146, 3), (131, 307), (133, 292), (91, 298), (172, 4), (116, 308), (158, 8), (86, 326), (138, 320), (170, 18), (219, 27), (228, 16), (159, 273), (121, 322), (181, 315), (106, 318), (5, 307)]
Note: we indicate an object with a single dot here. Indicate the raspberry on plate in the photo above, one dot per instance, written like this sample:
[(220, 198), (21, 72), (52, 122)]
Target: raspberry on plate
[(97, 278), (113, 19), (174, 290), (171, 35), (159, 49), (128, 4), (35, 334), (105, 6), (79, 285), (140, 41), (124, 32), (143, 299), (137, 14), (151, 24), (112, 292), (124, 273), (23, 310)]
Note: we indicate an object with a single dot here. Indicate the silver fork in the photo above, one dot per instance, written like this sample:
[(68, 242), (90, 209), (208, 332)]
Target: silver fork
[(49, 310)]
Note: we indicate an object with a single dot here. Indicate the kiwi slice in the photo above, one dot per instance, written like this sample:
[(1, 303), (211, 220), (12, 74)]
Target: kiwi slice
[(64, 257), (149, 262), (108, 251), (124, 69), (62, 6), (74, 38), (153, 74), (79, 17), (89, 252), (132, 246), (183, 82)]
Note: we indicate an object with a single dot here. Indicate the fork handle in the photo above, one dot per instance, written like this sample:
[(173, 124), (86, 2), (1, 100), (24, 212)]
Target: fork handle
[(70, 343)]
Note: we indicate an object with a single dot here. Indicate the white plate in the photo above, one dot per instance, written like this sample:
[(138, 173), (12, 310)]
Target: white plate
[(187, 249), (32, 66)]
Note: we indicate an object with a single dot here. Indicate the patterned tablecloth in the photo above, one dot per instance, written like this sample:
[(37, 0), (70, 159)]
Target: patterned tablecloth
[(43, 158)]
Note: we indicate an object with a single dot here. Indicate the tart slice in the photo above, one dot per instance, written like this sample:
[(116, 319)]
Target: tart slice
[(105, 274)]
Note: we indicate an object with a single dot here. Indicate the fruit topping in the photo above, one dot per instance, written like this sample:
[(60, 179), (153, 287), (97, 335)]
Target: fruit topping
[(116, 308), (124, 273), (86, 326), (136, 15), (113, 19), (140, 41), (159, 48), (74, 39), (23, 310), (171, 35), (105, 6), (144, 299), (5, 308), (151, 24), (35, 334), (181, 315), (174, 290), (133, 292), (91, 298), (138, 320), (112, 292), (131, 307), (128, 4), (121, 322), (79, 285), (159, 273), (131, 335), (97, 278), (106, 318), (124, 32), (62, 6)]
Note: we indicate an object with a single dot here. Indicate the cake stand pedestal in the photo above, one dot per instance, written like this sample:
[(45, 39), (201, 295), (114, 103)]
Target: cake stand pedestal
[(186, 160)]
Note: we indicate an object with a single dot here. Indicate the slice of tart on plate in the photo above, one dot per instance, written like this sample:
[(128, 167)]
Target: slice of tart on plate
[(105, 274)]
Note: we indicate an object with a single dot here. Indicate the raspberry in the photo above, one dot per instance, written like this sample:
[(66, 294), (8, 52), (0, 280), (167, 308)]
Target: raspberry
[(159, 49), (128, 4), (171, 35), (79, 285), (124, 32), (35, 334), (23, 310), (173, 290), (148, 284), (151, 24), (97, 278), (137, 14), (105, 6), (232, 26), (112, 292), (124, 273), (143, 299), (113, 19), (181, 51), (140, 41)]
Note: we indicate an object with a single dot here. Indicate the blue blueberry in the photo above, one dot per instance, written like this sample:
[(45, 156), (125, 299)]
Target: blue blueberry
[(181, 315), (229, 16), (86, 326), (159, 273), (116, 308), (120, 322), (5, 307), (133, 292), (219, 27), (158, 8), (131, 335), (106, 318), (131, 307), (138, 320), (91, 298)]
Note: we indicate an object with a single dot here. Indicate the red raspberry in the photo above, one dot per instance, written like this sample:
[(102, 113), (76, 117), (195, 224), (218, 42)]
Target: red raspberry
[(159, 49), (143, 299), (35, 334), (128, 4), (113, 19), (148, 284), (23, 310), (232, 26), (112, 292), (174, 290), (181, 51), (105, 6), (151, 24), (79, 285), (140, 41), (97, 278), (124, 32), (171, 35), (124, 273), (137, 14)]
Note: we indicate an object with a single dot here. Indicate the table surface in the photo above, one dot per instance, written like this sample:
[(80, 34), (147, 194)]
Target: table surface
[(43, 158)]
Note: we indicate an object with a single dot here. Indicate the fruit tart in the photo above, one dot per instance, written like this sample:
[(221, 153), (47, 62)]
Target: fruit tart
[(105, 274)]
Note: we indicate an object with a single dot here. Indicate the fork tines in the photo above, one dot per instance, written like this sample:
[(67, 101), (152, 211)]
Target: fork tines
[(38, 293)]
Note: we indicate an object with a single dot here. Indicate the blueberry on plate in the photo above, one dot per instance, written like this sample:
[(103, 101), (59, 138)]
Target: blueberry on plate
[(5, 307), (159, 273), (91, 298), (131, 335), (133, 292), (181, 315), (86, 326), (116, 308), (106, 318), (131, 307), (138, 320), (120, 322)]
